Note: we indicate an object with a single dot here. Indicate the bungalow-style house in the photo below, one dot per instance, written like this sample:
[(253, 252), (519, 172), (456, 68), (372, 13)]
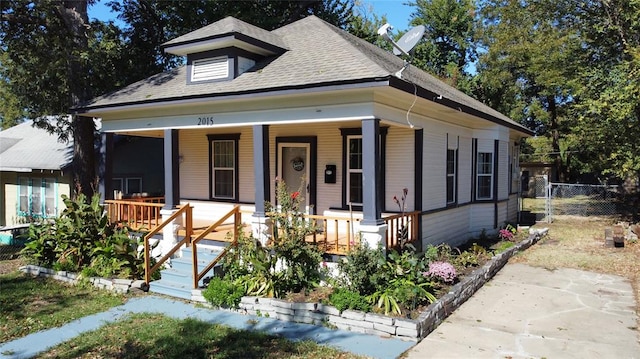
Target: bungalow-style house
[(35, 172), (330, 114)]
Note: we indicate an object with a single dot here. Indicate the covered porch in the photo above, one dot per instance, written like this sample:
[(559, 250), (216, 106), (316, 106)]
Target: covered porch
[(349, 172)]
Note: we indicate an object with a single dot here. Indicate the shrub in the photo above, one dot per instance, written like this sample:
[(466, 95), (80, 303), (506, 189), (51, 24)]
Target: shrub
[(361, 269), (344, 299), (223, 293), (83, 237)]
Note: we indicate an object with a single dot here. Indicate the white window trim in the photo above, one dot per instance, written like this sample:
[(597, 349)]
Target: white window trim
[(490, 175), (351, 170), (453, 175)]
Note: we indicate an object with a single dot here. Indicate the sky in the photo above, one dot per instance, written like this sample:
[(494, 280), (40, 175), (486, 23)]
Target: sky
[(397, 12)]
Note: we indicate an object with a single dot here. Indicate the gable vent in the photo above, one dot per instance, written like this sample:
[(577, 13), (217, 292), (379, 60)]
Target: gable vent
[(210, 69)]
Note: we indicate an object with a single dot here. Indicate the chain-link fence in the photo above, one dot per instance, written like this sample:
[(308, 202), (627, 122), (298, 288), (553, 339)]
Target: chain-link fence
[(565, 199)]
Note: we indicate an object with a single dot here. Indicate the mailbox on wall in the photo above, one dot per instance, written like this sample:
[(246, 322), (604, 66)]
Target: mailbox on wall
[(330, 174)]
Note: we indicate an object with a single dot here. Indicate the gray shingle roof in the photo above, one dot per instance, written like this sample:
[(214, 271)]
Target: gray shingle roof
[(228, 25), (24, 147), (319, 54)]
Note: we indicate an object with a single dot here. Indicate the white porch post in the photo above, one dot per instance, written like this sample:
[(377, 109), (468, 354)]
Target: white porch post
[(372, 227), (260, 223), (171, 190)]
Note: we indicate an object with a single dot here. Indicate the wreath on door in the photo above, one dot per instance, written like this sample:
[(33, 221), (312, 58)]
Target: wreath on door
[(297, 164)]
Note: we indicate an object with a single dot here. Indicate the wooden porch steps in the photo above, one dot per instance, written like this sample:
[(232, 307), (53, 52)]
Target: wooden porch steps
[(177, 281)]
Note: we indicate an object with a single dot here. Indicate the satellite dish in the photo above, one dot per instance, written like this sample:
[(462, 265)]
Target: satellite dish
[(407, 42)]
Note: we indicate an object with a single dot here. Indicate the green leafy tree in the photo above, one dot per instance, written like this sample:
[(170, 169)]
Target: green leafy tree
[(47, 71), (449, 45), (607, 111), (530, 47)]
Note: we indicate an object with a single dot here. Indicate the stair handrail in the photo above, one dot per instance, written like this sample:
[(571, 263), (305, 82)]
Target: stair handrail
[(187, 210), (237, 220)]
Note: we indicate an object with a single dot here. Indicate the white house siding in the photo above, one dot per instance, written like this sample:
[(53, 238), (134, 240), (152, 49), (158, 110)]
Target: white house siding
[(503, 170), (450, 226), (481, 218), (194, 165), (465, 170), (434, 182), (400, 167)]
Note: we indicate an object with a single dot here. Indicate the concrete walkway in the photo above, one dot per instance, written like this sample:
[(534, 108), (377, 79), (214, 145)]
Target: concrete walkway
[(367, 345), (527, 312)]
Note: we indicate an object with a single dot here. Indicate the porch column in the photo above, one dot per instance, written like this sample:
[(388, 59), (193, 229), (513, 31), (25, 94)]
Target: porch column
[(260, 222), (171, 190), (105, 167), (171, 170), (372, 227)]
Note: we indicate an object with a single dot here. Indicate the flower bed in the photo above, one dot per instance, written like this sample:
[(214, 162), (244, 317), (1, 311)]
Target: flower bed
[(357, 321)]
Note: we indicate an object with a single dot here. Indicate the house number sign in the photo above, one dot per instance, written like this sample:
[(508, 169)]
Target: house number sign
[(297, 164), (205, 121)]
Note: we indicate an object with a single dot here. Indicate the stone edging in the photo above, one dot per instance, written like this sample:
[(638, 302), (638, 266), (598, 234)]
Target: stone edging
[(115, 285), (368, 323)]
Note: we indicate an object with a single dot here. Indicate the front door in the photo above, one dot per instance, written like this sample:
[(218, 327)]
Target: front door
[(294, 167)]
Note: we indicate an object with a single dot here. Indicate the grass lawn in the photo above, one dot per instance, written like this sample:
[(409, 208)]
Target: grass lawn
[(157, 336), (29, 304)]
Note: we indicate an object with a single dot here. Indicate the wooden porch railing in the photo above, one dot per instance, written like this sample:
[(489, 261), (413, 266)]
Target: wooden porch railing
[(402, 228), (337, 235), (333, 235), (237, 222), (137, 213), (187, 210)]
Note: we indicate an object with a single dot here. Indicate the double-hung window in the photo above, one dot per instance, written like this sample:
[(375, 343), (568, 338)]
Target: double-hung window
[(127, 185), (223, 162), (354, 170), (484, 176), (451, 175), (36, 197)]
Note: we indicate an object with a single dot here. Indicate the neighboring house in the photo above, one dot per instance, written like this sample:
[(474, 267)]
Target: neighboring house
[(34, 174), (326, 112), (35, 171)]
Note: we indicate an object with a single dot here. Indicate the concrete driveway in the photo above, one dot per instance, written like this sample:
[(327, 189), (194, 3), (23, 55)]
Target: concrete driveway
[(527, 312)]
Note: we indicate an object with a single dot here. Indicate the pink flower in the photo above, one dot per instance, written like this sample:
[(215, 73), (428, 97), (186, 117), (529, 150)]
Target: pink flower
[(295, 195)]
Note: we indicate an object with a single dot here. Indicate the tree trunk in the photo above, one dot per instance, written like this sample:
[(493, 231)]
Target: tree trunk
[(74, 15)]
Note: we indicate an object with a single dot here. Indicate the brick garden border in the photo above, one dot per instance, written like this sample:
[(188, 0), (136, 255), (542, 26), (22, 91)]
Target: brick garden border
[(368, 323)]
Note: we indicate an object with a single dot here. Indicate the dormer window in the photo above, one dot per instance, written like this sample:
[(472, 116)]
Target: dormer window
[(216, 68)]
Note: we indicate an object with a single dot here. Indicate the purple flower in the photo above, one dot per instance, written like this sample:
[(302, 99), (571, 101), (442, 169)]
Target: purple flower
[(443, 271)]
